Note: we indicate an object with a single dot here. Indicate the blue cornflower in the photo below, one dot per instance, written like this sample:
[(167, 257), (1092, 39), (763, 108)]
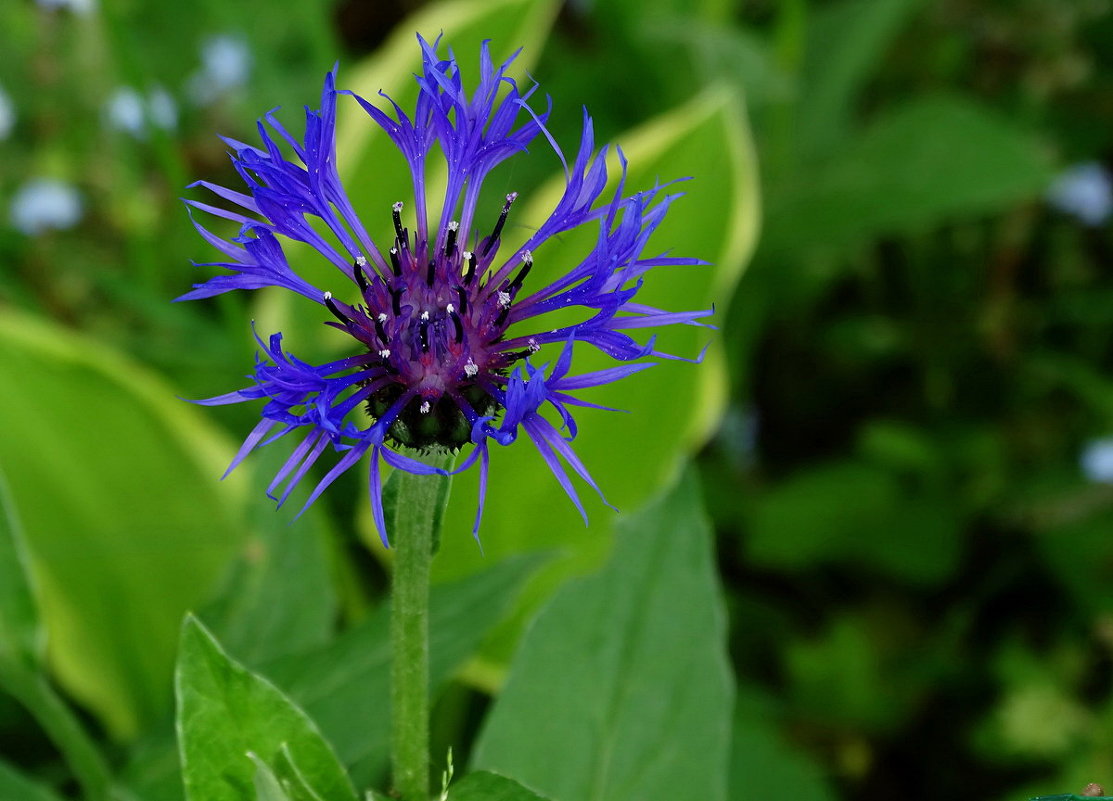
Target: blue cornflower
[(443, 321)]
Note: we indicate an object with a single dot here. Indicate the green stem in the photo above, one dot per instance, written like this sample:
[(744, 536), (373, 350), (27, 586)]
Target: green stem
[(63, 729), (417, 512)]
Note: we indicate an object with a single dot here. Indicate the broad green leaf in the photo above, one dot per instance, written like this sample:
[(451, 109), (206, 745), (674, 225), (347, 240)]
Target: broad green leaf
[(17, 787), (673, 406), (763, 766), (845, 42), (278, 597), (345, 685), (621, 688), (485, 786), (126, 523), (21, 633), (917, 165), (225, 711)]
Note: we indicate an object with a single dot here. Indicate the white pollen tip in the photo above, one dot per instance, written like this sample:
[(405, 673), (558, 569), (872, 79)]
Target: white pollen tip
[(511, 197), (504, 299), (385, 353), (394, 251), (397, 206), (450, 308), (471, 369), (361, 261), (328, 296), (425, 407), (454, 226), (468, 254), (527, 256), (382, 317), (425, 315)]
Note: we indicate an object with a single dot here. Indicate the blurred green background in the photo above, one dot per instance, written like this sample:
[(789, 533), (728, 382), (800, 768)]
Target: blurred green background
[(903, 439)]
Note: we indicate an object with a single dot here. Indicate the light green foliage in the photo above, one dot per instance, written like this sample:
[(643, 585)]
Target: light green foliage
[(267, 785), (623, 674), (16, 787), (917, 164), (762, 765), (120, 546), (486, 786), (344, 685), (277, 598), (226, 712), (845, 41), (21, 633), (854, 512)]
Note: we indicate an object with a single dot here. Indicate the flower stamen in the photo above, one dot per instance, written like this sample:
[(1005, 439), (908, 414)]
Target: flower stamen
[(332, 307), (361, 277), (497, 232)]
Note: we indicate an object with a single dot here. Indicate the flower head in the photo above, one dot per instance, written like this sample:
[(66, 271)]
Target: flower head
[(444, 321)]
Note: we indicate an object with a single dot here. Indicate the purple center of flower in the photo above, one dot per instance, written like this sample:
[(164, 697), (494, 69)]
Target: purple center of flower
[(435, 328)]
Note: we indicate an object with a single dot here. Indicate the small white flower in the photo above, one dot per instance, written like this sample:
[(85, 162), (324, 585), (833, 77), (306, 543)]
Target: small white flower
[(1083, 191), (124, 112), (225, 66), (1096, 461), (163, 109), (42, 204), (7, 114), (127, 111), (76, 6)]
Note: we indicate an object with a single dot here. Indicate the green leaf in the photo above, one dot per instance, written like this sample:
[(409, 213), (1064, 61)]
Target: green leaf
[(763, 766), (14, 785), (806, 520), (137, 525), (226, 711), (345, 685), (485, 786), (846, 41), (267, 786), (22, 638), (621, 688), (673, 406), (917, 165)]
